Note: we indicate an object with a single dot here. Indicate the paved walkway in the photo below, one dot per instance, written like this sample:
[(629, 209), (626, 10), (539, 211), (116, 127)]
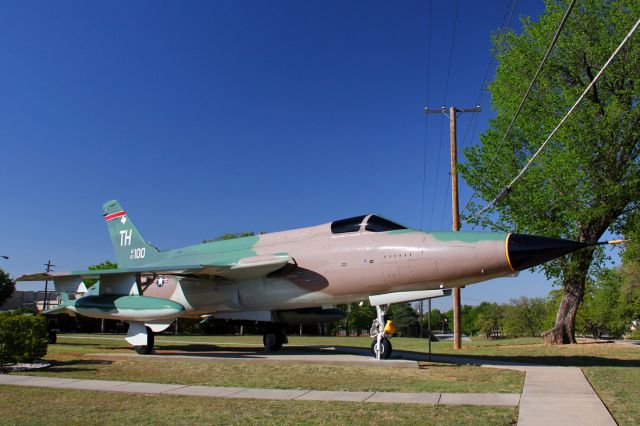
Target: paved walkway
[(560, 396), (551, 395), (493, 399)]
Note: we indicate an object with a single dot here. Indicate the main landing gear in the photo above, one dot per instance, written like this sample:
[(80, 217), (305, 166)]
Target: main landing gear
[(148, 348), (381, 333), (273, 339)]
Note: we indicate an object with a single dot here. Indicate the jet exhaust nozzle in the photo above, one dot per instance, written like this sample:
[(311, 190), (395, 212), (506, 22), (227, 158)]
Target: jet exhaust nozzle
[(525, 251)]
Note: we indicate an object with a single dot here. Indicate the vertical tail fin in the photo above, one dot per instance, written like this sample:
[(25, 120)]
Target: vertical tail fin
[(130, 248)]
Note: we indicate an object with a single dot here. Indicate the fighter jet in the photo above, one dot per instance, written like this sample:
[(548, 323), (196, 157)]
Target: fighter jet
[(291, 276)]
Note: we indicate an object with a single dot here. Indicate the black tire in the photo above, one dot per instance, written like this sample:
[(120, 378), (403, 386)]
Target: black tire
[(386, 349), (148, 348), (387, 353), (53, 337), (273, 341)]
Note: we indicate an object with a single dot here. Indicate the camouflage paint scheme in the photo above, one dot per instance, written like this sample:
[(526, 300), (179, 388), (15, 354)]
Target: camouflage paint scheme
[(318, 267), (287, 276), (256, 277)]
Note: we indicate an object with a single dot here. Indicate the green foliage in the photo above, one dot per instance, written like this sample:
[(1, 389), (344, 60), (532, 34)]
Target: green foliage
[(553, 301), (405, 318), (561, 194), (7, 287), (358, 317), (603, 308), (630, 270), (99, 267), (469, 315), (23, 337), (437, 320), (588, 177), (524, 317), (230, 236), (489, 319)]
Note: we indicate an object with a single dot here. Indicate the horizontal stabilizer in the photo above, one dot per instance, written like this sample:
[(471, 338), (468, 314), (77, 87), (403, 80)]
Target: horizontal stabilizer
[(58, 310), (246, 267), (96, 274)]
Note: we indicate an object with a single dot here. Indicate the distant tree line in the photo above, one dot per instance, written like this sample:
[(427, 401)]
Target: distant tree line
[(610, 305)]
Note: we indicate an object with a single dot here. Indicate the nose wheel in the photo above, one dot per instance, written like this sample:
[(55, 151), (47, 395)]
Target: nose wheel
[(381, 345), (381, 350)]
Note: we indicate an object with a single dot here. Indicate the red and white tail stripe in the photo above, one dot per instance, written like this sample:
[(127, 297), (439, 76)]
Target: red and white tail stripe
[(114, 215)]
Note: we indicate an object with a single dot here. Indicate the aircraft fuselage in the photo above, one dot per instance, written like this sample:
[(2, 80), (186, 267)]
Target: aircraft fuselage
[(328, 268)]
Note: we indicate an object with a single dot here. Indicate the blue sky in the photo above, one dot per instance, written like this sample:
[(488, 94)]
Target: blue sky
[(217, 116)]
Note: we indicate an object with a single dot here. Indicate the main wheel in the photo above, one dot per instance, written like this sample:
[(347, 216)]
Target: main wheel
[(385, 348), (273, 341), (148, 348)]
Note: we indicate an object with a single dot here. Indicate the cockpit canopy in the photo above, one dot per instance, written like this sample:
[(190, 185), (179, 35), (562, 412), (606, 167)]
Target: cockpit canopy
[(373, 223)]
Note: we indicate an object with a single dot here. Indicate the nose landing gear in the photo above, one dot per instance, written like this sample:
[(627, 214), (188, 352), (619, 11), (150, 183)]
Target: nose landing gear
[(381, 333)]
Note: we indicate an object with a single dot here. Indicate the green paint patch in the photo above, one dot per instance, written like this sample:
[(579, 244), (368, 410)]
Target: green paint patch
[(137, 303), (401, 231), (225, 250)]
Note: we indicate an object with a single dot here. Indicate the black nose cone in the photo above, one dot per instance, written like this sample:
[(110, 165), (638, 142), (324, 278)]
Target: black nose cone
[(526, 251)]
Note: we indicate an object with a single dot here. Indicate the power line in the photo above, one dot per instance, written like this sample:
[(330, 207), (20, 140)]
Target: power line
[(506, 21), (426, 122), (446, 89), (508, 188), (526, 95)]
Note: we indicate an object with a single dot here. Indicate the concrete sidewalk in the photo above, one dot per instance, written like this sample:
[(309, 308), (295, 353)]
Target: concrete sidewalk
[(485, 399), (560, 396), (551, 395)]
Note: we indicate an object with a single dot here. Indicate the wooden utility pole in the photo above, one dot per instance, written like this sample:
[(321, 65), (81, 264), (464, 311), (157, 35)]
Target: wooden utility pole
[(45, 304), (453, 112)]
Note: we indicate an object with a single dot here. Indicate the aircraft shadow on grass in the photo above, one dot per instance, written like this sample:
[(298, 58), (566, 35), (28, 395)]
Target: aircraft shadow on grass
[(213, 351), (70, 366), (544, 360)]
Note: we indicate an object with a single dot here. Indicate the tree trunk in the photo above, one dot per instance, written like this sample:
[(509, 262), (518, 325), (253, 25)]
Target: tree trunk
[(575, 275), (564, 330)]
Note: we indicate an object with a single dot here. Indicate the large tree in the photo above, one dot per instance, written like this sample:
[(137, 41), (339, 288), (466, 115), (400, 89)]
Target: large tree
[(588, 178)]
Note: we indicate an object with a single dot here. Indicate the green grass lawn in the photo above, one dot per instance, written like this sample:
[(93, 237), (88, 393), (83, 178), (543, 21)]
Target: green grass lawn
[(70, 407), (69, 361), (612, 370)]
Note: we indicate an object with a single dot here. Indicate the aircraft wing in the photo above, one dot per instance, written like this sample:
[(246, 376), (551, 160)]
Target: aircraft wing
[(246, 267)]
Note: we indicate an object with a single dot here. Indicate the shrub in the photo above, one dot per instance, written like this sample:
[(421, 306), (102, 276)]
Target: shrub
[(23, 337)]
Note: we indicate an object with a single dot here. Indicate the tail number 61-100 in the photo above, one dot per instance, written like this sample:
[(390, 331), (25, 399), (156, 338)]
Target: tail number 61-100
[(137, 253)]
